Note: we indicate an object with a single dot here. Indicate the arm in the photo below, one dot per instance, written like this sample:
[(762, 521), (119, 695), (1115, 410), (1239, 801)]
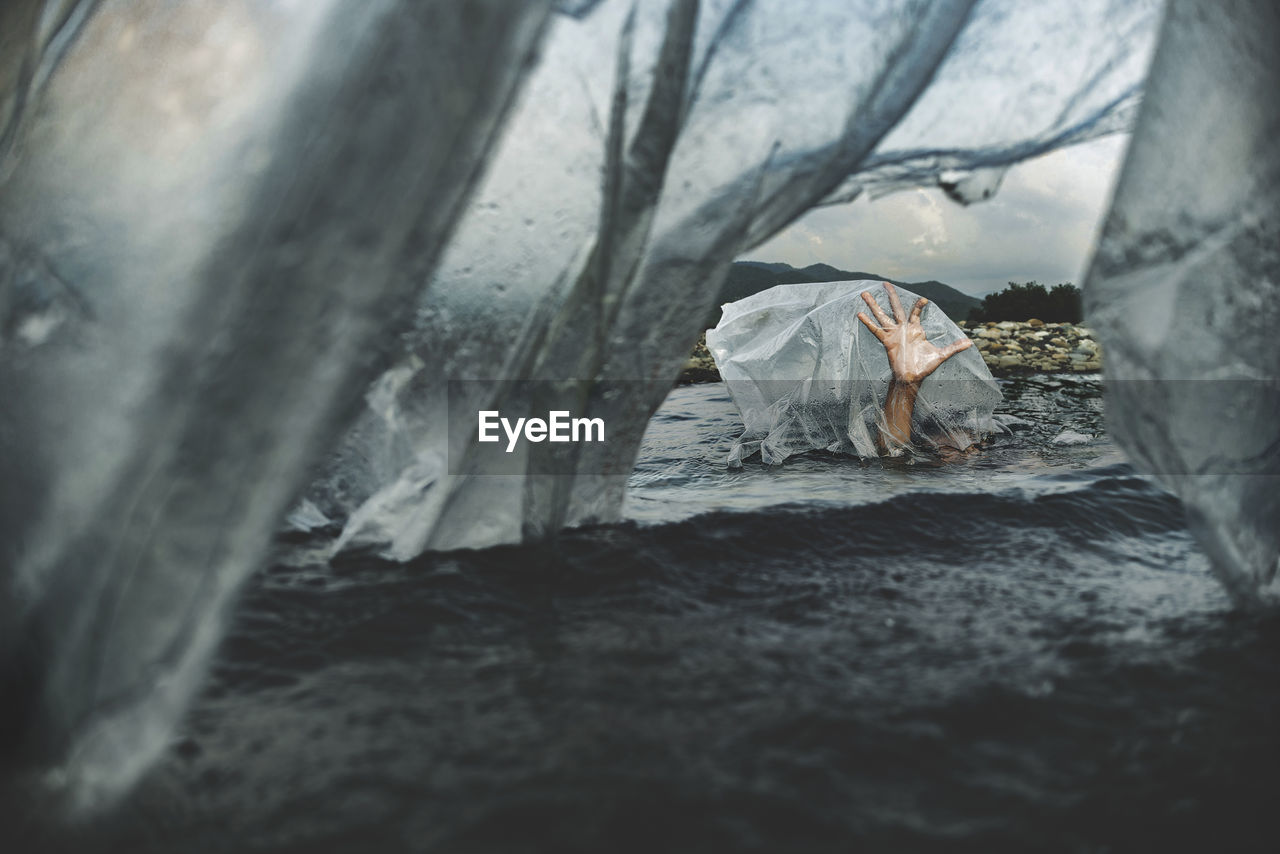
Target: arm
[(911, 359), (899, 404)]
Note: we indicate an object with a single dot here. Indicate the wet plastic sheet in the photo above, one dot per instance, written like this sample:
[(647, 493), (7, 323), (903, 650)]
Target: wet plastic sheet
[(807, 375), (1185, 287)]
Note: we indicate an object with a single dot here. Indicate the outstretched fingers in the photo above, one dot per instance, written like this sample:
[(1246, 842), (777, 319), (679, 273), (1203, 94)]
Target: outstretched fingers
[(877, 310), (896, 304), (917, 308), (875, 330), (955, 347)]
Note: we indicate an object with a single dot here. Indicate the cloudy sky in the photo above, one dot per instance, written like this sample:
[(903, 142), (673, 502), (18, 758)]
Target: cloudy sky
[(1040, 225)]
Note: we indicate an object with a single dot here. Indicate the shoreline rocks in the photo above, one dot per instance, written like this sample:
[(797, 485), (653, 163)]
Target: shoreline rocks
[(1033, 346), (1008, 348), (700, 367)]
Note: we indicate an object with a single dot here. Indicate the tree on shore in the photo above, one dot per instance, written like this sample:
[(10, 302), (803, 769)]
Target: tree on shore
[(1024, 301)]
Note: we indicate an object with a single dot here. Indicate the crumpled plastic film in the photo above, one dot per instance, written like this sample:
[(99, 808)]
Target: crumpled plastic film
[(807, 375), (1185, 287), (214, 219)]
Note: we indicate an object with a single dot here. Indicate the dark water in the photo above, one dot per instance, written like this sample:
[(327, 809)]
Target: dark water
[(1021, 651)]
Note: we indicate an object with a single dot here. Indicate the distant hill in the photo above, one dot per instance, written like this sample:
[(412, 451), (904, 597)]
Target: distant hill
[(774, 267), (751, 277)]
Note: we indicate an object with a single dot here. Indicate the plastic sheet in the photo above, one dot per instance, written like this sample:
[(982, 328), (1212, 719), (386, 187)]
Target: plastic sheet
[(1185, 287), (214, 216), (808, 375)]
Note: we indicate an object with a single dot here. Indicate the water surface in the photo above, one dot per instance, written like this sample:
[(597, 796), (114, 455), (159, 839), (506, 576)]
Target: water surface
[(1022, 651)]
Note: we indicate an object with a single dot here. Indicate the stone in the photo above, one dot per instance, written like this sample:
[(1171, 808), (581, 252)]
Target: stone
[(1072, 437), (1035, 323)]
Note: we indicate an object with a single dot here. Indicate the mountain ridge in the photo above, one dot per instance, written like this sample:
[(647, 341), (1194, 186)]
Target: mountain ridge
[(751, 277)]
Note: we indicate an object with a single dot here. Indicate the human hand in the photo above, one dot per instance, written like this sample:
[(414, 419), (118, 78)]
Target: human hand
[(911, 356)]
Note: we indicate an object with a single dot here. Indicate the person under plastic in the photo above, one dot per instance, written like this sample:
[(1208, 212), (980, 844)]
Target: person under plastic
[(807, 375)]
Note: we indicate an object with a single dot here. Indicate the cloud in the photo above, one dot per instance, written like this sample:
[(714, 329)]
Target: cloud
[(1041, 225), (928, 212)]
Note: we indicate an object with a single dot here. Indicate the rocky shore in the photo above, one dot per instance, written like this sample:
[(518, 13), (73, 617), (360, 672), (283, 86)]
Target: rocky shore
[(1035, 346), (1008, 348)]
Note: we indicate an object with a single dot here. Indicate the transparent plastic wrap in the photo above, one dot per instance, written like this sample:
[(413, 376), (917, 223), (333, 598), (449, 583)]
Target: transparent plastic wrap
[(214, 217), (1185, 287), (808, 375)]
